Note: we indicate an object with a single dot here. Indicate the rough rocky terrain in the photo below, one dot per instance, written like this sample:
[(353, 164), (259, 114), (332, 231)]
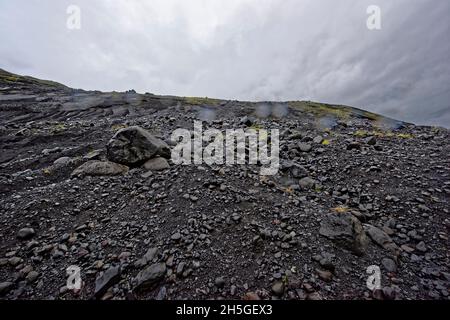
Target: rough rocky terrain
[(354, 190)]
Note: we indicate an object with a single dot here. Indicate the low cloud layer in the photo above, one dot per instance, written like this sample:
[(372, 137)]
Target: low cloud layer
[(242, 49)]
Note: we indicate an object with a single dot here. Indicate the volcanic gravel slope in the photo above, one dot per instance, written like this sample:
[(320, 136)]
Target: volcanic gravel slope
[(354, 190)]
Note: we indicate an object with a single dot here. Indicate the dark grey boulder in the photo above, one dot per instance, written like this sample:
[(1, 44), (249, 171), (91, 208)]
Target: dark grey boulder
[(133, 146), (346, 231)]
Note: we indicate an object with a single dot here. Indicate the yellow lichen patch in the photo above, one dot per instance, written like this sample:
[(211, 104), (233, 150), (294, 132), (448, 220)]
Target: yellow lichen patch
[(340, 209), (289, 190), (58, 127), (382, 134), (256, 127), (371, 116), (405, 136), (117, 127), (11, 78), (361, 133), (326, 142), (201, 101)]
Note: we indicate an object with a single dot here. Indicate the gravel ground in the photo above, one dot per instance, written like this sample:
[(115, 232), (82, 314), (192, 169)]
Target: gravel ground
[(354, 190)]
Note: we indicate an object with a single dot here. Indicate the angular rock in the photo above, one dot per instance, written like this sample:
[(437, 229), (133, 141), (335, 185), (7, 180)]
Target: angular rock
[(148, 257), (372, 140), (106, 280), (382, 239), (346, 231), (5, 287), (32, 276), (421, 246), (150, 276), (296, 170), (99, 168), (63, 161), (389, 265), (133, 146)]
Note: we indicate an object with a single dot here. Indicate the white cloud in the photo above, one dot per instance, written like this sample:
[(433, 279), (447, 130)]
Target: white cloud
[(242, 49)]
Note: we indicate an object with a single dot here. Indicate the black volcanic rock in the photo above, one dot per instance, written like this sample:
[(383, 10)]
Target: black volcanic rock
[(133, 146)]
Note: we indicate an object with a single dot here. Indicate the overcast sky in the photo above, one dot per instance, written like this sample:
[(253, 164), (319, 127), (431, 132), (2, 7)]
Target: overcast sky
[(317, 50)]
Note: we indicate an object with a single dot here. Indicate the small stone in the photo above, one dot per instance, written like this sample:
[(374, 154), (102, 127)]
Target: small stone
[(389, 265), (147, 174), (407, 248), (421, 247), (307, 183), (32, 276), (246, 121), (371, 141), (157, 164), (389, 293), (148, 257), (93, 155), (5, 287), (318, 139), (25, 233), (219, 282), (314, 296), (150, 276), (278, 288), (326, 276), (304, 147), (353, 146), (176, 236), (251, 296), (14, 261), (161, 294), (180, 268), (63, 161)]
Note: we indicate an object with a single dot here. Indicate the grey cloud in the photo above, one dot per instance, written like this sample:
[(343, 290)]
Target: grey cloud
[(249, 50)]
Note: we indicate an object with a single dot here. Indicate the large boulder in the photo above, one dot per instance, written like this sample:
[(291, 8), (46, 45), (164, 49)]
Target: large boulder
[(99, 168), (346, 231), (133, 146)]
